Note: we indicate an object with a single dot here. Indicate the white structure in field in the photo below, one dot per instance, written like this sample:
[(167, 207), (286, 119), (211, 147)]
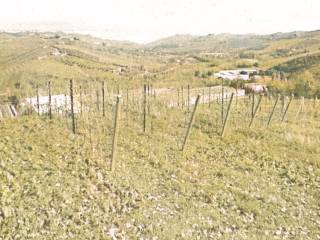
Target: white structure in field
[(241, 74), (206, 97), (59, 104)]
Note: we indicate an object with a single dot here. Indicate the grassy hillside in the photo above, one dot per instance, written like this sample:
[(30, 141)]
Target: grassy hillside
[(253, 184)]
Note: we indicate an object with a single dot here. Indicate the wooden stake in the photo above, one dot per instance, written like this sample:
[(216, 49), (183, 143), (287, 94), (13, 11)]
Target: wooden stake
[(38, 104), (209, 97), (287, 107), (227, 116), (144, 107), (72, 109), (237, 96), (255, 111), (178, 97), (81, 100), (50, 108), (127, 108), (98, 100), (222, 104), (282, 103), (273, 109), (252, 105), (115, 135), (188, 97), (103, 101), (190, 123), (182, 97)]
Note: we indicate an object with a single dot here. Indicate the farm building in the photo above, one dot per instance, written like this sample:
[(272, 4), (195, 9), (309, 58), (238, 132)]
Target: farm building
[(215, 94), (241, 74), (59, 104)]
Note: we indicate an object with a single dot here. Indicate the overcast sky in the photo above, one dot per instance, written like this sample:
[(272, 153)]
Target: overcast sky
[(148, 20)]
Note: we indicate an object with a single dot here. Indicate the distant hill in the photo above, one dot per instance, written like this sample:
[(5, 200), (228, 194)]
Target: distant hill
[(299, 64), (224, 42), (33, 57), (175, 41)]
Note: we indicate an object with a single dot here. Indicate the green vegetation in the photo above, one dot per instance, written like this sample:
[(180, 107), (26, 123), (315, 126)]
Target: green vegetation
[(299, 64), (254, 183)]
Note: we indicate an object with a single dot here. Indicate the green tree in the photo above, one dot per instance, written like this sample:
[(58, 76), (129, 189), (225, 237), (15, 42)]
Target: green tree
[(305, 84)]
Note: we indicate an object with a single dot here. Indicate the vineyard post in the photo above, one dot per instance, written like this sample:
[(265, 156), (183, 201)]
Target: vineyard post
[(190, 123), (255, 111), (178, 97), (98, 100), (50, 108), (222, 103), (182, 97), (144, 107), (188, 97), (237, 95), (149, 99), (316, 106), (273, 109), (81, 104), (209, 97), (313, 106), (304, 109), (227, 116), (30, 105), (115, 134), (72, 107), (38, 104), (252, 105), (103, 101), (287, 108), (127, 108), (150, 107), (65, 105)]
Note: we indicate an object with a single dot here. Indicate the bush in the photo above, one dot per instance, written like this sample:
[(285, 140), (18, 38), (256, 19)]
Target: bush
[(244, 64), (305, 85), (302, 84), (247, 55)]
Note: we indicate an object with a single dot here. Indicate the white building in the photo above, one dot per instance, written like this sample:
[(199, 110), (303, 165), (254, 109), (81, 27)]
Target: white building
[(59, 104), (241, 74)]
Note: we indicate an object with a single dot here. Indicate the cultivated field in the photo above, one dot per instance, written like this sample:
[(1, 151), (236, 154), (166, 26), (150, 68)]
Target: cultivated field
[(103, 158)]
